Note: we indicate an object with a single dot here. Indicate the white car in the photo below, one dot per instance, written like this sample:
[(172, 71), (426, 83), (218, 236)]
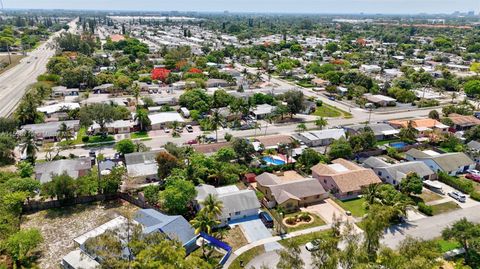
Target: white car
[(458, 196), (167, 130)]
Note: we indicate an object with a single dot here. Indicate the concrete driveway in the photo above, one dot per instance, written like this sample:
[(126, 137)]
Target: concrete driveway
[(447, 189), (326, 210)]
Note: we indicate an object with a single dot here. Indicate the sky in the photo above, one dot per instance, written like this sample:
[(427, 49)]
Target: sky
[(265, 6)]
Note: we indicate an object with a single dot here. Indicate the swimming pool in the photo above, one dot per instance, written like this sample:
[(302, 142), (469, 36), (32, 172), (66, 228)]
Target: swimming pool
[(273, 161), (398, 145)]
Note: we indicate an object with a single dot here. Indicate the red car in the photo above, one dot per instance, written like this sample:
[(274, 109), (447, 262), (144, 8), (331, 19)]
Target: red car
[(474, 177), (192, 142)]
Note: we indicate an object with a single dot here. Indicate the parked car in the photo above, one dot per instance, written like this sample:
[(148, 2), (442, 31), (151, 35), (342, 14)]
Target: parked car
[(179, 129), (210, 139), (167, 130), (473, 171), (266, 219), (474, 177), (192, 142), (311, 246), (189, 128), (458, 196)]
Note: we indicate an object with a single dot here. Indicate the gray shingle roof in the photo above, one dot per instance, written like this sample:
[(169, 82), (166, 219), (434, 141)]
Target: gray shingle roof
[(475, 145), (377, 128), (175, 227), (400, 170), (44, 171), (452, 161)]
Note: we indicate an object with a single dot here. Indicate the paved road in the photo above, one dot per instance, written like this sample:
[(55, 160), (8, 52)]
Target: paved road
[(425, 228), (15, 82)]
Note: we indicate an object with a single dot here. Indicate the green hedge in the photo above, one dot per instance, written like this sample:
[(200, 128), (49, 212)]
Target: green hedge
[(425, 209), (463, 185), (475, 195)]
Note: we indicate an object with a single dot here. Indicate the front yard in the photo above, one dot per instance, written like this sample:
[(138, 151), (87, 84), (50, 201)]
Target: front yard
[(234, 237), (426, 196), (355, 206), (317, 221), (305, 238), (444, 208), (247, 256), (328, 111)]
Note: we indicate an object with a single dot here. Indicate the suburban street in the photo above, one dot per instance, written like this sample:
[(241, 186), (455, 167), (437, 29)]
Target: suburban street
[(15, 82)]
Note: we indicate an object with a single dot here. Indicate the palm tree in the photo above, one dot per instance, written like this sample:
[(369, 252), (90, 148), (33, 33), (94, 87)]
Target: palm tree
[(371, 193), (256, 126), (216, 120), (174, 126), (29, 146), (321, 122), (211, 205), (270, 118), (64, 132), (204, 222), (136, 92), (142, 118), (302, 127)]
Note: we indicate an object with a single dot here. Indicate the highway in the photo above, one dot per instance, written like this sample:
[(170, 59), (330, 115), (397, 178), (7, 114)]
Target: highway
[(16, 81)]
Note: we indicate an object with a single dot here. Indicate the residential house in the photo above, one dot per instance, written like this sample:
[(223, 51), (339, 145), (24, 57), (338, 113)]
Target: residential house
[(58, 110), (73, 167), (104, 88), (163, 119), (425, 127), (49, 131), (211, 148), (320, 137), (320, 82), (78, 259), (382, 131), (261, 111), (380, 100), (343, 178), (370, 69), (394, 173), (474, 150), (62, 91), (237, 204), (451, 163), (142, 165), (272, 141), (463, 122), (290, 190), (212, 82), (174, 227), (115, 127)]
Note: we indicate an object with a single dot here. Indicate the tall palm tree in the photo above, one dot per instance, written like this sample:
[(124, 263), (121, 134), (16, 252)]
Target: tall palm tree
[(136, 92), (216, 120), (142, 118), (270, 118), (371, 193), (321, 122), (29, 146), (256, 126), (212, 205), (65, 132), (204, 222), (174, 126)]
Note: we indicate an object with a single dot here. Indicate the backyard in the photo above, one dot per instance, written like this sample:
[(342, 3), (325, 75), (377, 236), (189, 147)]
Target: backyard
[(234, 237), (355, 206), (60, 226)]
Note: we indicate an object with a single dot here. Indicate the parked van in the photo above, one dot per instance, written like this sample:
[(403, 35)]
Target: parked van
[(185, 112)]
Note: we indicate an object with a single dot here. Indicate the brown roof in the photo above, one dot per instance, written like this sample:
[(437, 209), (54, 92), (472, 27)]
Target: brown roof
[(273, 140), (210, 148), (429, 123), (464, 120), (352, 179)]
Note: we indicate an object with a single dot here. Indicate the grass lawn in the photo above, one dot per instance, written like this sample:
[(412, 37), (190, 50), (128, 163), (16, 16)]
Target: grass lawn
[(247, 256), (317, 221), (78, 139), (356, 206), (305, 84), (447, 245), (235, 238), (327, 111), (305, 238), (426, 196), (444, 207), (446, 150), (99, 139), (138, 135)]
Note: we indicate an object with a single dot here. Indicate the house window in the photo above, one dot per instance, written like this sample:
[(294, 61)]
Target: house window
[(325, 181), (318, 196), (394, 182), (380, 173), (237, 213)]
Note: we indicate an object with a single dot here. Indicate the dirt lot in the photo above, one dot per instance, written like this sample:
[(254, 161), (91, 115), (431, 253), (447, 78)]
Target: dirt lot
[(4, 62), (60, 226)]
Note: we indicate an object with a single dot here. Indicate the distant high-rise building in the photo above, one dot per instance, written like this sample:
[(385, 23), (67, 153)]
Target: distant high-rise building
[(471, 13)]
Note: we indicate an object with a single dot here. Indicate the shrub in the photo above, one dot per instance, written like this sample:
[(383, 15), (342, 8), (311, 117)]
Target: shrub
[(425, 209), (463, 185), (291, 220), (228, 136), (305, 217), (475, 195), (85, 139)]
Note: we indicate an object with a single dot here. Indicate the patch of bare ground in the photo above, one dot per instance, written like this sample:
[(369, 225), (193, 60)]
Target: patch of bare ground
[(60, 226)]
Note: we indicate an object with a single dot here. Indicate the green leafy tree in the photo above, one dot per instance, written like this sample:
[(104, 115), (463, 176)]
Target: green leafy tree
[(295, 102), (244, 149), (65, 132), (412, 183), (472, 87), (61, 187), (101, 114), (125, 146), (21, 246), (290, 257), (141, 116), (340, 149), (408, 134), (7, 147), (467, 234), (321, 122), (309, 158), (151, 194), (29, 146), (177, 196), (166, 163), (434, 115)]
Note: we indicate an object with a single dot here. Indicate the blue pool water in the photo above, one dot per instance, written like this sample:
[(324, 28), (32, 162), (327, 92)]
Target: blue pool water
[(398, 145), (273, 161)]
